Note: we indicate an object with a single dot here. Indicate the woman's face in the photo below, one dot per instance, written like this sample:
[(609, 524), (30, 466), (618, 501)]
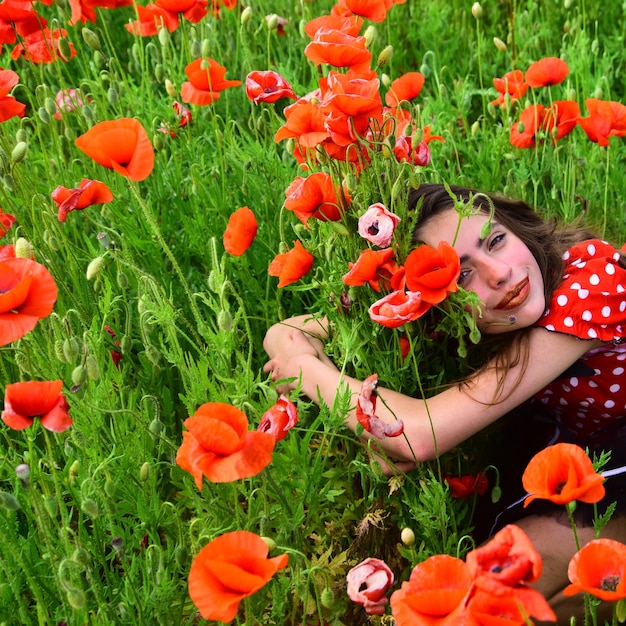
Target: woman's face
[(498, 267)]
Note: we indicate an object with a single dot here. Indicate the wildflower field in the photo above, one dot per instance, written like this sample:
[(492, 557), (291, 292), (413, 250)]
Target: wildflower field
[(177, 177)]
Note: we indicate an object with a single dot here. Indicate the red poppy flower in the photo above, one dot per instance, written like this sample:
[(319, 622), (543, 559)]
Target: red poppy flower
[(121, 145), (513, 84), (373, 10), (405, 347), (292, 265), (370, 268), (367, 584), (338, 49), (548, 71), (560, 118), (116, 355), (407, 87), (463, 487), (89, 193), (108, 4), (599, 568), (487, 609), (606, 119), (82, 11), (434, 594), (432, 272), (9, 106), (151, 19), (398, 308), (280, 418), (305, 122), (523, 133), (206, 82), (218, 445), (345, 24), (562, 473), (240, 231), (7, 252), (365, 412), (228, 569), (27, 400), (268, 87), (6, 221), (27, 294), (314, 196), (404, 151), (192, 10), (42, 46), (18, 17)]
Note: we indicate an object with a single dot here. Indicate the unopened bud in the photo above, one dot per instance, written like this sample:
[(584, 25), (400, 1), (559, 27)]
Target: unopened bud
[(156, 426), (499, 44), (328, 598), (21, 135), (475, 128), (64, 49), (385, 56), (225, 321), (159, 72), (270, 543), (112, 96), (271, 21), (19, 152), (91, 39), (568, 3), (76, 599), (79, 375), (90, 507), (98, 60), (144, 472), (81, 556), (23, 248), (152, 354), (91, 365), (164, 36), (8, 501), (94, 267), (171, 90), (598, 93), (51, 506), (205, 48), (246, 14), (477, 10), (22, 472), (407, 536), (50, 105), (370, 34)]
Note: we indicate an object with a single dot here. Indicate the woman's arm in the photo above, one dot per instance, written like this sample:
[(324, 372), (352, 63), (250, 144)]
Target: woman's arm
[(434, 426)]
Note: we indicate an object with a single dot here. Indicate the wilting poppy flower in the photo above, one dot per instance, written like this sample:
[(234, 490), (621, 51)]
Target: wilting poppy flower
[(407, 87), (206, 82), (606, 119), (280, 418), (346, 24), (370, 268), (562, 473), (367, 584), (405, 347), (314, 196), (432, 272), (27, 400), (305, 122), (292, 265), (6, 221), (121, 145), (434, 594), (338, 49), (511, 84), (365, 412), (151, 19), (116, 355), (228, 569), (377, 225), (398, 308), (373, 10), (27, 294), (42, 46), (240, 231), (89, 193), (463, 487), (548, 71), (9, 106), (404, 151), (192, 10), (599, 568), (218, 445), (267, 86)]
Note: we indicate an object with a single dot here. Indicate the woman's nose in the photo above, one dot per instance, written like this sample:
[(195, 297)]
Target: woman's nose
[(497, 273)]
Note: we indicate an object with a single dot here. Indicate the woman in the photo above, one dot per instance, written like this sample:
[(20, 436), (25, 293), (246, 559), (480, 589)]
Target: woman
[(553, 315)]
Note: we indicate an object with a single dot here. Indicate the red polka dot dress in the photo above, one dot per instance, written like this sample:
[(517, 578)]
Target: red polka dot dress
[(589, 400)]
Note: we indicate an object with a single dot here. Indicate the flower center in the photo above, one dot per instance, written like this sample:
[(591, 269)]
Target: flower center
[(559, 487), (609, 583), (373, 229)]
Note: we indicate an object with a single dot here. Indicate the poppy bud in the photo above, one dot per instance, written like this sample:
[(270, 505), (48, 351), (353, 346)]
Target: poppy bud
[(152, 354), (425, 69), (126, 344), (8, 501), (407, 536), (64, 49), (246, 14), (499, 44), (98, 60), (271, 21), (477, 10), (156, 426), (370, 34), (51, 506), (112, 95), (74, 469), (568, 3), (385, 56), (443, 90), (58, 350), (50, 105), (170, 88), (158, 141), (159, 72), (475, 128), (328, 598), (76, 599), (270, 543), (79, 375), (91, 365), (122, 280), (19, 152), (95, 267), (90, 507), (181, 554), (22, 472), (110, 487), (144, 472), (136, 53), (196, 50), (21, 135), (598, 93), (164, 36), (214, 281), (23, 248), (91, 39), (87, 112), (44, 116), (69, 134), (81, 556), (595, 46), (8, 182), (206, 48), (225, 321)]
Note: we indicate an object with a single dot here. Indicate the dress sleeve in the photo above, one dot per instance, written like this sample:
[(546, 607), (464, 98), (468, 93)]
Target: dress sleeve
[(590, 302)]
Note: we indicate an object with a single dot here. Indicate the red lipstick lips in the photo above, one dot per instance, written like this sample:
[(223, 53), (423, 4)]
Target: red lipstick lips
[(515, 297)]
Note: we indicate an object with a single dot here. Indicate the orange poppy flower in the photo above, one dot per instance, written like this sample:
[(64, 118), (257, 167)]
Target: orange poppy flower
[(407, 87), (513, 84), (27, 400), (346, 24), (150, 20), (9, 106), (371, 267), (373, 10), (192, 10), (206, 81), (81, 12), (240, 231), (545, 72), (89, 192), (42, 46), (434, 594), (606, 119), (279, 419), (121, 145), (228, 569), (268, 87), (398, 308), (432, 272), (560, 118), (7, 252), (599, 568), (562, 473), (6, 221), (218, 445), (338, 49), (292, 265), (523, 133), (108, 4), (487, 609), (27, 294), (315, 196), (305, 122)]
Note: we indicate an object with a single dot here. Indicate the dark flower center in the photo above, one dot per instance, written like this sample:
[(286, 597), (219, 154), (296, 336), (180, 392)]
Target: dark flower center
[(559, 487), (609, 583), (373, 229)]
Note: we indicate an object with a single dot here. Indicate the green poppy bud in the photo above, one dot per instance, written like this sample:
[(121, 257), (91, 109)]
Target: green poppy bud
[(144, 472), (385, 56), (79, 375), (91, 39), (407, 536), (477, 10), (328, 598), (8, 501), (76, 599), (44, 116), (499, 44), (23, 248), (164, 36), (90, 507), (245, 16), (94, 267), (91, 365), (64, 49)]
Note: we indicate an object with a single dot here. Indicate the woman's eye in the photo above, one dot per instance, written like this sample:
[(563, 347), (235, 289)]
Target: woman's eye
[(462, 277), (496, 240)]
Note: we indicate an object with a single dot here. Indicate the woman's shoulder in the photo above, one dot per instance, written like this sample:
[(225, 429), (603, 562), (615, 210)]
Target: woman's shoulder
[(590, 301)]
